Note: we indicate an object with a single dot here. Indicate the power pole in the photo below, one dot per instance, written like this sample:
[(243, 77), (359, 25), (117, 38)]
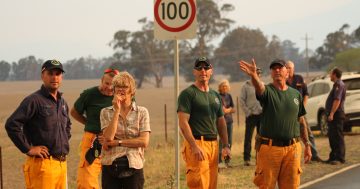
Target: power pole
[(306, 54)]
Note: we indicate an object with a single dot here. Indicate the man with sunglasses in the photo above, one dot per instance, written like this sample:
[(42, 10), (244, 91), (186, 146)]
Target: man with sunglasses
[(279, 149), (201, 118), (40, 128), (86, 110)]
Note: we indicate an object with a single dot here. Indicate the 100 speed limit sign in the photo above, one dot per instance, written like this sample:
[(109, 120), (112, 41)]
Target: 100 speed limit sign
[(175, 19)]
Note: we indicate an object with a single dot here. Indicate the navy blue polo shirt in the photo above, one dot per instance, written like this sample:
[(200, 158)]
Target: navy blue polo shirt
[(299, 84), (41, 120), (338, 92)]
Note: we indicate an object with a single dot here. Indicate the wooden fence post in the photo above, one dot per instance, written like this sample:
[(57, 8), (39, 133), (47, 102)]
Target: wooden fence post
[(165, 112), (237, 111), (1, 175)]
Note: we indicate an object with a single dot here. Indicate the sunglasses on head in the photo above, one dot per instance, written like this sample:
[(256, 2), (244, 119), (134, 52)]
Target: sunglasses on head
[(110, 70), (199, 68)]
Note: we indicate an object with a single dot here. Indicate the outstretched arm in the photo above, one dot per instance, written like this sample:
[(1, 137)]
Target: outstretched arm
[(250, 69)]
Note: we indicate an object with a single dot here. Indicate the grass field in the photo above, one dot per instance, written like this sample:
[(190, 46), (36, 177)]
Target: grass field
[(160, 156)]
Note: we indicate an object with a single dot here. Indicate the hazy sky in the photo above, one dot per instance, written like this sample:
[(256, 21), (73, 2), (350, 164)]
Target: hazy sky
[(67, 29)]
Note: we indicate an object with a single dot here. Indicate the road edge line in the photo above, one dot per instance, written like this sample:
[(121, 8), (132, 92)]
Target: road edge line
[(328, 176)]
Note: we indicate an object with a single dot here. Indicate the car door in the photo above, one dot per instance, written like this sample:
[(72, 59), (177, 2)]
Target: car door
[(317, 98)]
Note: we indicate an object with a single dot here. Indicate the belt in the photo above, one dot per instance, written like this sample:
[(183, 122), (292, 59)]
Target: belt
[(59, 157), (55, 157), (206, 138), (281, 143)]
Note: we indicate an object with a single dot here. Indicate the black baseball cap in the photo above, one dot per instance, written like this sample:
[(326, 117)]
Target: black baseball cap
[(52, 64), (278, 62), (204, 60)]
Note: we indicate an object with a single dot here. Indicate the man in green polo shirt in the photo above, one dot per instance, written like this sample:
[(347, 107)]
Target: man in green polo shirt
[(279, 152), (201, 119), (86, 110)]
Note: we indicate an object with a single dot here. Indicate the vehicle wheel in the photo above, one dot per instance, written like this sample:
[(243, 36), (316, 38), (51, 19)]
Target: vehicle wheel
[(323, 124)]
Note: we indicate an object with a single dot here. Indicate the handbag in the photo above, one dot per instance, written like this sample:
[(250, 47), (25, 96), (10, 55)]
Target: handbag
[(120, 168)]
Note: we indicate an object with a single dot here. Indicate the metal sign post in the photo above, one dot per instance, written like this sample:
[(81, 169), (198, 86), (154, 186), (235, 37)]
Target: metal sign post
[(176, 93), (174, 20)]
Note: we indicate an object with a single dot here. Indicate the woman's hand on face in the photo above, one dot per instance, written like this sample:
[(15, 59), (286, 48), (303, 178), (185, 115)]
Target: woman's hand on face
[(117, 100)]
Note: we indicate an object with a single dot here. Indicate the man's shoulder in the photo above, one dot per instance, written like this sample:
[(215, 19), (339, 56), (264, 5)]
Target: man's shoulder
[(340, 82), (34, 96), (294, 91), (91, 90), (213, 91), (188, 90)]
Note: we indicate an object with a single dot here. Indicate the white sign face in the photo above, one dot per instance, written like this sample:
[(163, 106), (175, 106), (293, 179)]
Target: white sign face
[(175, 19)]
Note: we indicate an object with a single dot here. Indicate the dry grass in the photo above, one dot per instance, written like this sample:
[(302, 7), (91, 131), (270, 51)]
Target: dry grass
[(160, 156)]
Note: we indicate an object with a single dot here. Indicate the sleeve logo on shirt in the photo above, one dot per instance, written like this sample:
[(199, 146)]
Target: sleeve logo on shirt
[(217, 101), (296, 101)]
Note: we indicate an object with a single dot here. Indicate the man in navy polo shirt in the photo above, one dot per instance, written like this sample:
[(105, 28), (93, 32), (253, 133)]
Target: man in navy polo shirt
[(297, 82), (335, 110)]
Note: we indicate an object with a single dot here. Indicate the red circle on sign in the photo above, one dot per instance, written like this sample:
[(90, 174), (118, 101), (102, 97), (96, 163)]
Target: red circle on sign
[(174, 29)]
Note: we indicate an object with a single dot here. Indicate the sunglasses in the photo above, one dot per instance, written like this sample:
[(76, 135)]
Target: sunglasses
[(111, 70), (199, 68)]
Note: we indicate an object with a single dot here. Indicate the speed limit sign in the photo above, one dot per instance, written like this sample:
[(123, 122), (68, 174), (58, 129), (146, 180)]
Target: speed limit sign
[(175, 19)]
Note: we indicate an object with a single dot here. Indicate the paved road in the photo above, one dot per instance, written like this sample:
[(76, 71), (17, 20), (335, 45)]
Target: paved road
[(349, 179)]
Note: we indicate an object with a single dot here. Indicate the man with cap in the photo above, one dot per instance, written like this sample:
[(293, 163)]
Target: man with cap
[(252, 110), (297, 82), (86, 110), (40, 128), (201, 119), (279, 149)]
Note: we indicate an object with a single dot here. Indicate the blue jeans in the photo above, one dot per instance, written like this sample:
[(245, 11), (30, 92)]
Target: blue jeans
[(312, 141), (229, 133)]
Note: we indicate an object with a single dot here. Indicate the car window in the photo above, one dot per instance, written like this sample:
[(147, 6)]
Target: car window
[(319, 89), (325, 88), (316, 90), (352, 84)]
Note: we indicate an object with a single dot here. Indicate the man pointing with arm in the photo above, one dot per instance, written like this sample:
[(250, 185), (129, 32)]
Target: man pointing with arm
[(279, 153)]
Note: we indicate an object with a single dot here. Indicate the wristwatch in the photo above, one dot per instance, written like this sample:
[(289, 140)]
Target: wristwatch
[(120, 142), (226, 145), (308, 143)]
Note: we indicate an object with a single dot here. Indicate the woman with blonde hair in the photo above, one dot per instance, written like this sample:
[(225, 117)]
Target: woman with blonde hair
[(126, 133), (228, 109)]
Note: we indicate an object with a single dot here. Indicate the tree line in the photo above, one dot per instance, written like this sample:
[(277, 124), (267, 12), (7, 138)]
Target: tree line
[(148, 58)]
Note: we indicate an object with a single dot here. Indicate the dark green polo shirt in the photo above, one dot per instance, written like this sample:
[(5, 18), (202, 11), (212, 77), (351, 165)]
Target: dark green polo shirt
[(281, 110), (204, 109), (90, 103)]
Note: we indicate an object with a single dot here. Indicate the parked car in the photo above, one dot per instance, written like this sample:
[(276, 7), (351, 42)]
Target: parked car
[(319, 90)]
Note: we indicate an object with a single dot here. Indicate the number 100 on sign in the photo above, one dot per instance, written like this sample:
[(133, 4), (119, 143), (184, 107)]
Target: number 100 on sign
[(175, 16)]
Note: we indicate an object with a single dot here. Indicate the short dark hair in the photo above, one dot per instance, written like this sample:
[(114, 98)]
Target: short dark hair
[(337, 72)]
